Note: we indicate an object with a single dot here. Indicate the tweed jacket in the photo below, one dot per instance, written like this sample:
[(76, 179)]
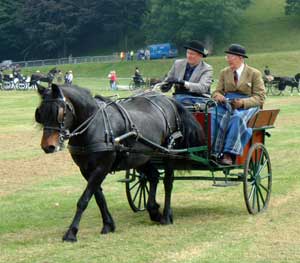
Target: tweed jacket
[(200, 80), (250, 83)]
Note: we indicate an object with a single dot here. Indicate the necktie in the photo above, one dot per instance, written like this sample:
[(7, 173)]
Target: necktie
[(235, 77)]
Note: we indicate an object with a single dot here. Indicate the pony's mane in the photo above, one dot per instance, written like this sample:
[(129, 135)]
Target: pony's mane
[(76, 90), (102, 98), (78, 94)]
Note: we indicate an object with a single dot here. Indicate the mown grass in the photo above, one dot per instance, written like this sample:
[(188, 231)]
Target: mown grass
[(39, 193)]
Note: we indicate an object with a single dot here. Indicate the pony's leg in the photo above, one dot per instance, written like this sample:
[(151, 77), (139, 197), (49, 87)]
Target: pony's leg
[(167, 217), (108, 222), (153, 177), (94, 181)]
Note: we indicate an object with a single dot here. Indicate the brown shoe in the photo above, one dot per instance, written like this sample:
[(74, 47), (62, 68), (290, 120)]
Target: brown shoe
[(226, 160)]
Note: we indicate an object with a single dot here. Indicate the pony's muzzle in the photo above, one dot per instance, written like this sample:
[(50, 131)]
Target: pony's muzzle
[(50, 141)]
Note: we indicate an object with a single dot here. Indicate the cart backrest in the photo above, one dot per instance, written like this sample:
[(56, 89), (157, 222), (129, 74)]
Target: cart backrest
[(263, 119)]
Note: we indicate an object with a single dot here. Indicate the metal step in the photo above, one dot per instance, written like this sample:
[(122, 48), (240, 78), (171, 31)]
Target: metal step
[(226, 184), (125, 180)]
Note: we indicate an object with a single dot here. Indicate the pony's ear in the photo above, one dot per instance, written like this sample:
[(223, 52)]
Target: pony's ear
[(37, 115), (56, 91), (41, 89)]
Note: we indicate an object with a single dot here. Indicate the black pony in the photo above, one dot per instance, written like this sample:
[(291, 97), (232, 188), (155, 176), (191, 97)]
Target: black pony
[(292, 82), (49, 77), (106, 136)]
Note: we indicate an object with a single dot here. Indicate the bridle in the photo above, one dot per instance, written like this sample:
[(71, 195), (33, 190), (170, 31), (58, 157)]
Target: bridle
[(64, 132), (63, 105)]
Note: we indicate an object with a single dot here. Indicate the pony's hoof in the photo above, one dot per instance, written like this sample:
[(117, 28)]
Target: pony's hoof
[(70, 236), (107, 229), (166, 220), (155, 216), (154, 212)]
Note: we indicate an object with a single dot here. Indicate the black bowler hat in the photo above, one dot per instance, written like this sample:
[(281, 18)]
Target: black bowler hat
[(197, 46), (236, 49)]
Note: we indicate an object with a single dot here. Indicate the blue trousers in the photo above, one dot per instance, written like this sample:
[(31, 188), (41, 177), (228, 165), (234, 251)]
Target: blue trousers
[(189, 99), (230, 133)]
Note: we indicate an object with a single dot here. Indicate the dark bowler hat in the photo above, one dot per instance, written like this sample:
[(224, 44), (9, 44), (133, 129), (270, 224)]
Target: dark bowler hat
[(236, 49), (197, 46)]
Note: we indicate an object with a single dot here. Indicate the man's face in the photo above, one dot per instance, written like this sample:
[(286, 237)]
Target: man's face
[(193, 57), (234, 61)]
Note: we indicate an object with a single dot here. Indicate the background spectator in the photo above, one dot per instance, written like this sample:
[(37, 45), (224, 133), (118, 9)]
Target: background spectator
[(131, 55), (147, 54), (113, 80)]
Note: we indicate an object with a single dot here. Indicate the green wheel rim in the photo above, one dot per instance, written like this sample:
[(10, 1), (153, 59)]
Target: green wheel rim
[(137, 190), (257, 179)]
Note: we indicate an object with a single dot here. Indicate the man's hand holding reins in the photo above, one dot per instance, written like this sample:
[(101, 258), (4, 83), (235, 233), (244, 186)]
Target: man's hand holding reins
[(219, 98)]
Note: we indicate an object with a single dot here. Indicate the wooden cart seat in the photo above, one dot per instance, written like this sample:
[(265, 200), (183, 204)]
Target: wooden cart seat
[(263, 119)]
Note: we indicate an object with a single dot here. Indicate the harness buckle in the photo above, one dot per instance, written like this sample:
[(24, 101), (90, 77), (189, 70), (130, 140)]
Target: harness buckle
[(172, 139)]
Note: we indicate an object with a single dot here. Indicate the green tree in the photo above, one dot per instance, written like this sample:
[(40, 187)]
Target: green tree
[(122, 19), (10, 34), (178, 21), (292, 7), (51, 26)]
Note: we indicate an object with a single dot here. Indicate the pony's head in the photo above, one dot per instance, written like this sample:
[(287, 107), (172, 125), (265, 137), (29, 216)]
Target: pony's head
[(56, 115)]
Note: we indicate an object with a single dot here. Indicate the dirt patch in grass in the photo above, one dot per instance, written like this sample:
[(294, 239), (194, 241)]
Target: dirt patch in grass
[(15, 174)]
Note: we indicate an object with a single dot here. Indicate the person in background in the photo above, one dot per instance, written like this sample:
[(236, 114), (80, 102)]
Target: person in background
[(59, 77), (137, 78), (113, 80), (122, 55), (1, 75), (239, 95), (69, 77), (110, 79), (147, 54), (131, 55), (16, 71), (191, 77), (128, 56), (66, 77), (267, 74)]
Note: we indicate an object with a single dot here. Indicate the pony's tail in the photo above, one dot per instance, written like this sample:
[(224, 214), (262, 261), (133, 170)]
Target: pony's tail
[(193, 132)]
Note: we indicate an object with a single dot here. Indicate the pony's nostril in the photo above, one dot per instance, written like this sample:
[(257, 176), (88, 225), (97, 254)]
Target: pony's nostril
[(49, 149)]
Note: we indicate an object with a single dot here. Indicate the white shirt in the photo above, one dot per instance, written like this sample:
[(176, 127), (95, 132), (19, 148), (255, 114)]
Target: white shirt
[(70, 77), (240, 70)]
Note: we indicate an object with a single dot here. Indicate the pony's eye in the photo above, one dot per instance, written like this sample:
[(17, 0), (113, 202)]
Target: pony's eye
[(37, 115), (60, 115)]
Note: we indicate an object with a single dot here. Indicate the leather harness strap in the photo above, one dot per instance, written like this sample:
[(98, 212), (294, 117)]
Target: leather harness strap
[(107, 144)]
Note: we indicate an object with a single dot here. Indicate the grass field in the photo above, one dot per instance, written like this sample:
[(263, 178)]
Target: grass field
[(39, 193)]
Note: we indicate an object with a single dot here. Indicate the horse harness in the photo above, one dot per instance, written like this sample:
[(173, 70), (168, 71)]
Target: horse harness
[(108, 144)]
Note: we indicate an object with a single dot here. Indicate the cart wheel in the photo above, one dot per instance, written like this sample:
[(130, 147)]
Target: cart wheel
[(257, 179), (131, 86), (275, 89), (137, 190), (268, 86)]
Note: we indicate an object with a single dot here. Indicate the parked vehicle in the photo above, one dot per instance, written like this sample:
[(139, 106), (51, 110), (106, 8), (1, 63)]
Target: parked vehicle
[(165, 50)]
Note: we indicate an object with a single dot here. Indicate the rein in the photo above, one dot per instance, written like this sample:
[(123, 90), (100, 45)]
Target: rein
[(87, 122), (108, 143)]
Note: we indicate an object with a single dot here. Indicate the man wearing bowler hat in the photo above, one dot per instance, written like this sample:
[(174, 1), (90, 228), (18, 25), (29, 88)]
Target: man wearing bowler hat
[(191, 77), (239, 95)]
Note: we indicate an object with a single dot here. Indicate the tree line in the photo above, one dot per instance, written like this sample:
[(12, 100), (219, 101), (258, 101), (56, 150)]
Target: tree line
[(36, 29)]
